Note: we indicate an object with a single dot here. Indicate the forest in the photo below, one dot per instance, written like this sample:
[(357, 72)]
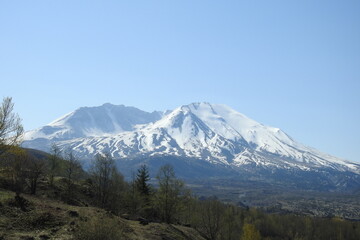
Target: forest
[(59, 176)]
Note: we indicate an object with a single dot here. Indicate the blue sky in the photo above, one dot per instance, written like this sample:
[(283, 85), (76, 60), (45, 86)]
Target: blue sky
[(288, 64)]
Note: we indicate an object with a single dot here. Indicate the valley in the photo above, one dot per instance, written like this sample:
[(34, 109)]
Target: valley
[(281, 200)]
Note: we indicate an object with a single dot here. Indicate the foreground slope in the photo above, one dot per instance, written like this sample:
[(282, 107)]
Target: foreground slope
[(46, 218)]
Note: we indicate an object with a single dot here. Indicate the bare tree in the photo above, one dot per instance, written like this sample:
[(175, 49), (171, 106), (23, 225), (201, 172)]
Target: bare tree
[(135, 200), (11, 129), (15, 165), (168, 195), (107, 180), (231, 224), (36, 168), (211, 215), (54, 162), (72, 170)]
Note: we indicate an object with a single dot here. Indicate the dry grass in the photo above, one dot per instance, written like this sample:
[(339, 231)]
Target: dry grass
[(53, 219), (160, 231), (104, 228)]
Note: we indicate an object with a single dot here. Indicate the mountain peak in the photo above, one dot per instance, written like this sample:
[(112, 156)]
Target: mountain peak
[(98, 121), (108, 105)]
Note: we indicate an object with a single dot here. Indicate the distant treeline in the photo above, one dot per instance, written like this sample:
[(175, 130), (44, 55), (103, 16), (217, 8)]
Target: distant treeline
[(59, 175)]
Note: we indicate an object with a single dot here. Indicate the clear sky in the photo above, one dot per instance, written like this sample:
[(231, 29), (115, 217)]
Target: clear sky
[(288, 64)]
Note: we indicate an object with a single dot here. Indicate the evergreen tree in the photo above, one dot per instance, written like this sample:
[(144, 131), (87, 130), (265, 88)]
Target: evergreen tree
[(141, 181)]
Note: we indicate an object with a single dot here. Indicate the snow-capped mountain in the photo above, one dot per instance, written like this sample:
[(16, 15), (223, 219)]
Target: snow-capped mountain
[(207, 132), (105, 120)]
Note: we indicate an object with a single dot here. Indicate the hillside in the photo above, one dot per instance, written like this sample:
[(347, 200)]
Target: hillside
[(44, 218)]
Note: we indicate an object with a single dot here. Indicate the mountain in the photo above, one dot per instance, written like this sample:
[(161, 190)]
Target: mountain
[(211, 137), (88, 122)]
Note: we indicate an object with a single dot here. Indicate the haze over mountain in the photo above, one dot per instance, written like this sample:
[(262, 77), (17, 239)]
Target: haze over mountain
[(201, 133)]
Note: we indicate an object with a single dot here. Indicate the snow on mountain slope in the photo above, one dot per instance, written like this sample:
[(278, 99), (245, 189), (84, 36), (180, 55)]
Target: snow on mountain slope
[(101, 121), (210, 132)]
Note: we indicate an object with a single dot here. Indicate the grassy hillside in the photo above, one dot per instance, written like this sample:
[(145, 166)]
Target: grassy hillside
[(44, 218)]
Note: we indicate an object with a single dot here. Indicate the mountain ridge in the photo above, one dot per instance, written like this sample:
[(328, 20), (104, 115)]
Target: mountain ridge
[(208, 132)]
